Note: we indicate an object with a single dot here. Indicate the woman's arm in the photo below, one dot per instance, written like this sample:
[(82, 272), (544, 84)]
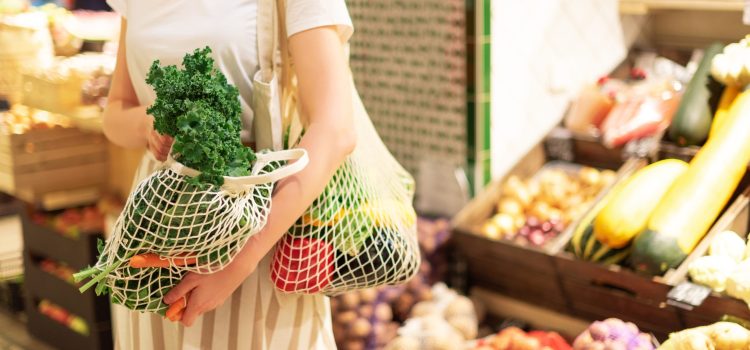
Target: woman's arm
[(326, 100), (125, 122)]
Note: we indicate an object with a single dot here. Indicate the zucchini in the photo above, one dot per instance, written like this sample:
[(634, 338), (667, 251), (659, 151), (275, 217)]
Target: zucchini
[(584, 244), (727, 97), (692, 121), (695, 200), (628, 211)]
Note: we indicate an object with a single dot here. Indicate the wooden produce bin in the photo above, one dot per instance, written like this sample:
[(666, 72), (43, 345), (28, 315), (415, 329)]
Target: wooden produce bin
[(43, 242), (55, 167), (522, 272), (716, 305)]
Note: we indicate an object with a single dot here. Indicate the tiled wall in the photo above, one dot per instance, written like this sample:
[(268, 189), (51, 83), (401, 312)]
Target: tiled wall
[(409, 64)]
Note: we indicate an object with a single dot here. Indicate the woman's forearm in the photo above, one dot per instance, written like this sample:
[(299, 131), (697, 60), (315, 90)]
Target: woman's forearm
[(327, 149), (126, 126)]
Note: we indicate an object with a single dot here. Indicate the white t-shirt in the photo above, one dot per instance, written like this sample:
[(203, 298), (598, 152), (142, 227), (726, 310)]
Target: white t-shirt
[(168, 29)]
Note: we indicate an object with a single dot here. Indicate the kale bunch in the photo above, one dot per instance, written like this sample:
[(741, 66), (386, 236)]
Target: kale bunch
[(198, 108)]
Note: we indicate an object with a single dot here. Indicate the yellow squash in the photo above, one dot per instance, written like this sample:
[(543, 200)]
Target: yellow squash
[(727, 97), (627, 213)]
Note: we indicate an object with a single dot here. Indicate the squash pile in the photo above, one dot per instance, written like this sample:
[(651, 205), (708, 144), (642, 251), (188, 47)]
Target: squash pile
[(658, 216)]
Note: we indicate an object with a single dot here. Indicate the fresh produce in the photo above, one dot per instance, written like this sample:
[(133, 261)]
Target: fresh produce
[(729, 244), (58, 269), (198, 107), (731, 66), (738, 282), (725, 268), (513, 338), (590, 108), (443, 322), (584, 244), (536, 210), (712, 271), (718, 336), (627, 212), (173, 216), (727, 98), (21, 119), (63, 317), (613, 333), (695, 200), (692, 121), (72, 222), (313, 273), (363, 317)]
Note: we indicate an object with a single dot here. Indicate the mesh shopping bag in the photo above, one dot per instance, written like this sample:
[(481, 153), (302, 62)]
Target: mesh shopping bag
[(191, 227), (361, 231)]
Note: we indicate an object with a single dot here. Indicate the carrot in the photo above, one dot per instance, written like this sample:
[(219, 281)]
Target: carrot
[(153, 260), (174, 312)]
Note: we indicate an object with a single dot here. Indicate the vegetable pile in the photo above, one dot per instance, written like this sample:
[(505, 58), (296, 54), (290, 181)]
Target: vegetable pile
[(613, 334), (535, 210), (173, 223), (726, 268), (513, 338), (718, 336), (446, 321)]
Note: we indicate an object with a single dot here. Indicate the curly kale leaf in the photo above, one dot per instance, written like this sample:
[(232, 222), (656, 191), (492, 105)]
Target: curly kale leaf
[(198, 107)]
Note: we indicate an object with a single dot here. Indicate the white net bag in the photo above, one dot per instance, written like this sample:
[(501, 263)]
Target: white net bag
[(361, 231), (186, 226)]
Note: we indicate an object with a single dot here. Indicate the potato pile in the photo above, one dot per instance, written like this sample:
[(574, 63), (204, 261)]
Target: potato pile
[(361, 320), (536, 210), (446, 322)]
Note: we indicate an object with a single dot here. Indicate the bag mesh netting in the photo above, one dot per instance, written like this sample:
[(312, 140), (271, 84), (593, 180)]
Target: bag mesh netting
[(361, 231), (192, 227)]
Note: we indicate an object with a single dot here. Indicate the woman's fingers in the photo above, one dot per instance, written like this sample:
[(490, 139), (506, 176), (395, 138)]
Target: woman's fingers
[(181, 289), (159, 145), (191, 313)]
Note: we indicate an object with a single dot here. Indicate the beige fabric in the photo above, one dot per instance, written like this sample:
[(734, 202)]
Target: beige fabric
[(256, 316)]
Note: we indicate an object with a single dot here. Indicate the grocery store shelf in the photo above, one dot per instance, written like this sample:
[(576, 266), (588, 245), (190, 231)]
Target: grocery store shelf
[(644, 6)]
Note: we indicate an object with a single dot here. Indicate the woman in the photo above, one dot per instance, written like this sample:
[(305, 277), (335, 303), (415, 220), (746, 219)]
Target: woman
[(238, 307)]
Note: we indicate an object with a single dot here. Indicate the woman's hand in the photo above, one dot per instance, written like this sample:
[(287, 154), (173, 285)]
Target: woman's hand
[(159, 145), (206, 292)]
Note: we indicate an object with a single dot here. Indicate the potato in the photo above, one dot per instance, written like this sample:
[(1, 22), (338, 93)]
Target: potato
[(403, 304), (366, 311), (360, 328), (345, 317), (461, 306), (383, 312), (423, 294), (349, 301), (491, 230), (505, 223), (354, 344), (510, 206), (367, 296), (590, 176)]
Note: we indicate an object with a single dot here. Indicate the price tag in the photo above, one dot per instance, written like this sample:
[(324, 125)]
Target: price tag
[(687, 295), (559, 145), (746, 13)]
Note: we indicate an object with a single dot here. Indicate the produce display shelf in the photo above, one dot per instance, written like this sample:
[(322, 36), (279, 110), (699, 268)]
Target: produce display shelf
[(50, 331), (524, 272), (737, 219), (45, 241), (86, 305)]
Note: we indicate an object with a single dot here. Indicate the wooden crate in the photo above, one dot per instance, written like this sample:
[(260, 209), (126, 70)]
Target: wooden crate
[(61, 337), (737, 219), (45, 241), (597, 292), (525, 273), (44, 162)]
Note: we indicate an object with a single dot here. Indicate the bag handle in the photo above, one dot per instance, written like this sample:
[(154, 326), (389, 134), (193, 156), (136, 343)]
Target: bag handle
[(298, 156)]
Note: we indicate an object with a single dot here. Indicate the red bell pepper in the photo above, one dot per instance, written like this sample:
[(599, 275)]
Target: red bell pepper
[(303, 265)]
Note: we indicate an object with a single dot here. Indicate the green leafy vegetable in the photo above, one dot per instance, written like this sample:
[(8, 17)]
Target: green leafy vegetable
[(201, 111)]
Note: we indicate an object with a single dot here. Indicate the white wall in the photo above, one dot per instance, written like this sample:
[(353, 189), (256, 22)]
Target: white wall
[(542, 51)]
